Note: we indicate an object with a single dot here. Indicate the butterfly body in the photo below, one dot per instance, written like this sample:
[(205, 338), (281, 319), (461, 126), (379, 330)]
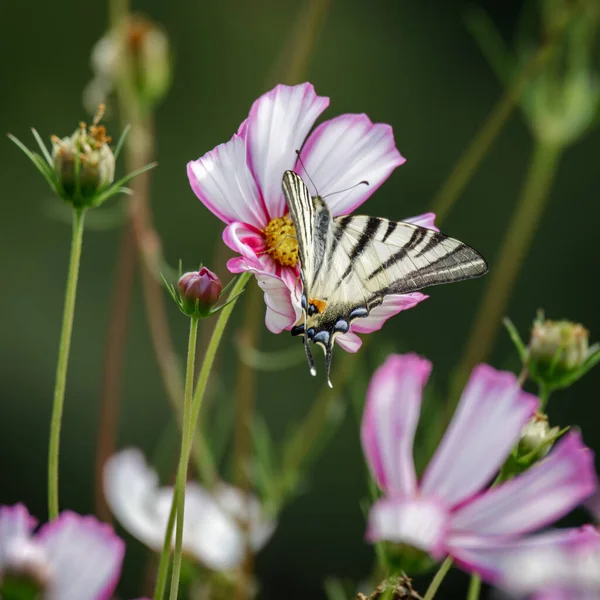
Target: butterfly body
[(350, 264)]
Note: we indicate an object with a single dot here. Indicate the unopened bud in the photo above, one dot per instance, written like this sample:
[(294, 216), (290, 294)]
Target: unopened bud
[(199, 291), (395, 588), (537, 437), (147, 46), (84, 162), (558, 346)]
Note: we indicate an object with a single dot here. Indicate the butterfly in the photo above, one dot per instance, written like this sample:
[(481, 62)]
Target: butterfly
[(349, 264)]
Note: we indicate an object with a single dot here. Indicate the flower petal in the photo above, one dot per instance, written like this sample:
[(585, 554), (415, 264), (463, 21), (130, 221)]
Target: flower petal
[(391, 305), (85, 557), (486, 425), (131, 489), (426, 220), (282, 311), (538, 497), (16, 524), (390, 421), (493, 557), (342, 153), (223, 182), (278, 123), (350, 342), (247, 241), (209, 534), (246, 507), (420, 522)]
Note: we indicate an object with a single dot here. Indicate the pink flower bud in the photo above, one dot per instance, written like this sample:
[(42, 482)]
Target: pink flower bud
[(202, 287)]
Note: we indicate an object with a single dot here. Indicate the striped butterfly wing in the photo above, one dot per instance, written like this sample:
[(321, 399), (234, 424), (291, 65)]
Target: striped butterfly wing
[(381, 257), (312, 221)]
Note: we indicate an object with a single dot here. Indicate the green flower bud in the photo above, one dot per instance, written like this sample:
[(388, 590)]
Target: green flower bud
[(394, 588), (537, 437), (562, 99), (557, 350), (81, 168), (145, 46), (84, 162), (558, 353)]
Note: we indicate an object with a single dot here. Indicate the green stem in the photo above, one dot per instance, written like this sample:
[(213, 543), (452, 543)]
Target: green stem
[(474, 588), (437, 579), (186, 443), (163, 564), (193, 403), (213, 345), (515, 246), (544, 395), (464, 169), (63, 361)]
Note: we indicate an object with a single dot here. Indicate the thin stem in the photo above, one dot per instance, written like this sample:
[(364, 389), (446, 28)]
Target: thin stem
[(163, 565), (245, 393), (63, 361), (464, 169), (114, 358), (242, 454), (515, 246), (186, 442), (474, 588), (544, 395), (437, 579), (193, 404)]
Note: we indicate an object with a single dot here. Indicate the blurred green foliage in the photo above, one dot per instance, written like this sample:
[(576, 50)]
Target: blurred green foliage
[(413, 65)]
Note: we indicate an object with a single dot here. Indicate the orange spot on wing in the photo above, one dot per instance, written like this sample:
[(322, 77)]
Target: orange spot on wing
[(319, 304)]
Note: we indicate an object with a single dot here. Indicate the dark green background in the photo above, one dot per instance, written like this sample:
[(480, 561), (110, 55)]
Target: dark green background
[(412, 65)]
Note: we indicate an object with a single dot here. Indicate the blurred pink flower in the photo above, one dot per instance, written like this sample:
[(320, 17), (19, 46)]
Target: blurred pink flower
[(451, 511), (557, 565), (240, 182), (70, 558)]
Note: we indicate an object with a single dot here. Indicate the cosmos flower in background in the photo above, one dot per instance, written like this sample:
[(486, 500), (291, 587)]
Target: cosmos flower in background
[(212, 532), (240, 182), (552, 566), (71, 558), (450, 511)]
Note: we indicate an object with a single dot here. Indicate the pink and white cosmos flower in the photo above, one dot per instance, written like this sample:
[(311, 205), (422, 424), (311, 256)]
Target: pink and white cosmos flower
[(240, 182), (70, 558), (450, 510), (557, 565)]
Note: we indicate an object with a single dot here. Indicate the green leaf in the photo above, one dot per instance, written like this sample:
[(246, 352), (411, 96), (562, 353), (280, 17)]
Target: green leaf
[(43, 148), (120, 142), (516, 338), (490, 43)]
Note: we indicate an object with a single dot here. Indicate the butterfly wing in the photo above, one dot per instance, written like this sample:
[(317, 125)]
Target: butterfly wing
[(313, 222)]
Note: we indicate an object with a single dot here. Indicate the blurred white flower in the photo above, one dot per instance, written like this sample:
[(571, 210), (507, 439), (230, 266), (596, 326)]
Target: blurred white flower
[(212, 533)]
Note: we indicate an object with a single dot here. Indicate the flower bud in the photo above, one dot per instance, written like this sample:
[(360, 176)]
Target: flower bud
[(562, 99), (199, 292), (84, 163), (395, 588), (557, 348), (147, 47), (537, 437)]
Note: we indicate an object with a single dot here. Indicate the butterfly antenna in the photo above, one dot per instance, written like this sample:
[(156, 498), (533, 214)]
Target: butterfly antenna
[(365, 182), (328, 353), (307, 174)]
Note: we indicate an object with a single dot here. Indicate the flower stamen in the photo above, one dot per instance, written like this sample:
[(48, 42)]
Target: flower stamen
[(281, 242)]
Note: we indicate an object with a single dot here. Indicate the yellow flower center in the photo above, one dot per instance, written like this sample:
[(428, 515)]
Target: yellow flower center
[(281, 242)]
